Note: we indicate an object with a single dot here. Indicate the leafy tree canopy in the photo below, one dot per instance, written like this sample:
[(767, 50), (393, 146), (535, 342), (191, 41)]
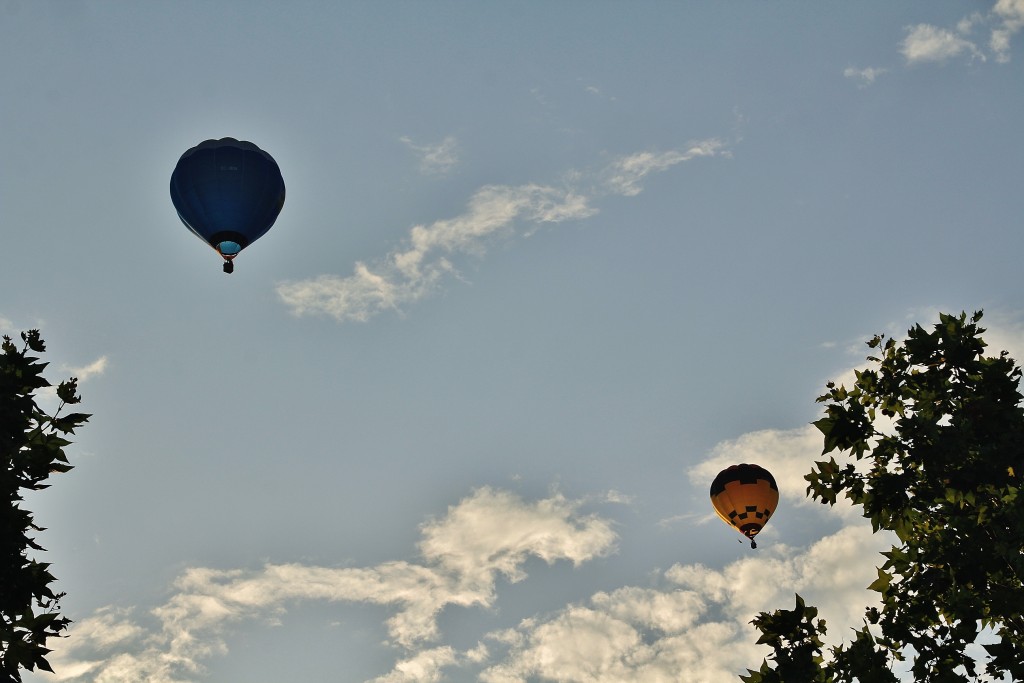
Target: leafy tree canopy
[(931, 438), (31, 449)]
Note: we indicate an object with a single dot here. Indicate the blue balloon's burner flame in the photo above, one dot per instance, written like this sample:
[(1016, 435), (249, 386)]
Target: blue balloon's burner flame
[(229, 249)]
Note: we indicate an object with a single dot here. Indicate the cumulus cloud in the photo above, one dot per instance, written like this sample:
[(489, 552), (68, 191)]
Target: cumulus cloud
[(787, 454), (690, 619), (489, 534), (694, 622), (832, 574), (1010, 17), (927, 43), (425, 257), (423, 667), (695, 625), (494, 532), (435, 159)]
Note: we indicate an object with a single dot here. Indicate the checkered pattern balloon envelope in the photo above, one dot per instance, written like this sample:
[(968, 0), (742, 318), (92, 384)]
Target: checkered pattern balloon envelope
[(745, 497)]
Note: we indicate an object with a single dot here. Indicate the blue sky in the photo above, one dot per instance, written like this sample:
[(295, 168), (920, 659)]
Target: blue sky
[(542, 270)]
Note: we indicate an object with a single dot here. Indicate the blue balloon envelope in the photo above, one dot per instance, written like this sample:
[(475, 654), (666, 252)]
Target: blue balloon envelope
[(229, 193)]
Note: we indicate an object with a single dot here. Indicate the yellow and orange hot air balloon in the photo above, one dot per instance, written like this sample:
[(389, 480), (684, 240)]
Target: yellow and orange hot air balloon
[(745, 497)]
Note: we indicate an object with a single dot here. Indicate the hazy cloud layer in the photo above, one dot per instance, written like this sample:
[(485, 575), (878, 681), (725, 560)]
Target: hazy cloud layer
[(416, 268)]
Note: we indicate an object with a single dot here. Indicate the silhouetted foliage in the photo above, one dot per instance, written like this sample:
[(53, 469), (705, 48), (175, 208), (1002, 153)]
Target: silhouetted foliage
[(31, 448), (946, 479)]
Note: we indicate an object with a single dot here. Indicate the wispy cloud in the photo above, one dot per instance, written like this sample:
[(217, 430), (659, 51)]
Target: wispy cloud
[(424, 258), (438, 158), (415, 270), (624, 175), (86, 372), (488, 535), (864, 77)]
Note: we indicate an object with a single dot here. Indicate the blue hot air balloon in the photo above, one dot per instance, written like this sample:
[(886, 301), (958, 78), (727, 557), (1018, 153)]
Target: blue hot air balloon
[(229, 193)]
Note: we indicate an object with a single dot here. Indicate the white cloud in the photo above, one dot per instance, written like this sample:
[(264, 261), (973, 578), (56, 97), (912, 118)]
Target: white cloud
[(1004, 331), (86, 372), (416, 268), (864, 77), (406, 275), (787, 454), (438, 158), (695, 619), (493, 532), (427, 666), (489, 534), (695, 622), (832, 574), (696, 626), (623, 175), (1010, 14), (690, 620), (423, 667), (927, 43), (47, 396)]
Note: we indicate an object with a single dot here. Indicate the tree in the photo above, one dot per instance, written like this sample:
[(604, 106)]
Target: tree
[(31, 448), (933, 437)]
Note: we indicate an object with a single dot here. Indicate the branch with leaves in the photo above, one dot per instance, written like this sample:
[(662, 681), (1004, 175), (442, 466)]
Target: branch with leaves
[(933, 437), (32, 447)]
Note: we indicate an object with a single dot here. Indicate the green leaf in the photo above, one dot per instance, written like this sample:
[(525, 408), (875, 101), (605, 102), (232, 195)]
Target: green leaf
[(881, 584)]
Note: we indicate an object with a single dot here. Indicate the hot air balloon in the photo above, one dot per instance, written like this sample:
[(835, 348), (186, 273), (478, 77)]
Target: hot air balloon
[(229, 193), (745, 496)]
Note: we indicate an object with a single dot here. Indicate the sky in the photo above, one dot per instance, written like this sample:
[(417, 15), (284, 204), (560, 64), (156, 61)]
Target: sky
[(542, 271)]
